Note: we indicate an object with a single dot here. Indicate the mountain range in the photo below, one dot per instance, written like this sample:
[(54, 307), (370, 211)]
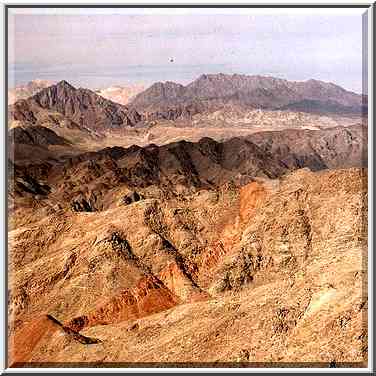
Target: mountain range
[(214, 90), (234, 104), (170, 100), (221, 223)]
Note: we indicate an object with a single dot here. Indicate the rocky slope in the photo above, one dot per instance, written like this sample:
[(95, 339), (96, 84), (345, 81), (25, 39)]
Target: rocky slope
[(333, 148), (277, 269), (85, 180), (244, 251)]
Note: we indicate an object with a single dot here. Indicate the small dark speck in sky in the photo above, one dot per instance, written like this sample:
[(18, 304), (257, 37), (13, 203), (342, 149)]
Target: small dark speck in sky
[(172, 60)]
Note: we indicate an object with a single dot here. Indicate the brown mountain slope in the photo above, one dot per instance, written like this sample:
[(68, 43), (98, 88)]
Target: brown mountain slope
[(187, 252), (90, 122), (282, 263), (88, 181)]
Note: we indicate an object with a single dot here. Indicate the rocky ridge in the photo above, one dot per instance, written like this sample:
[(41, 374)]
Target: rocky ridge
[(210, 92)]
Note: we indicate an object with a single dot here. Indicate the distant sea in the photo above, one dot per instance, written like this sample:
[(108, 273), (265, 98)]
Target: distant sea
[(97, 78)]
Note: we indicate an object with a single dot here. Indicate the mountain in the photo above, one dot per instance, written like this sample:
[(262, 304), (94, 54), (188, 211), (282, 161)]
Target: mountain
[(27, 90), (215, 90), (117, 94), (167, 93), (81, 106), (182, 167), (82, 116), (337, 147), (269, 272), (248, 248), (120, 94)]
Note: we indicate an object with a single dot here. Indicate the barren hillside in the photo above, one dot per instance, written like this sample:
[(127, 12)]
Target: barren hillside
[(271, 272), (217, 233)]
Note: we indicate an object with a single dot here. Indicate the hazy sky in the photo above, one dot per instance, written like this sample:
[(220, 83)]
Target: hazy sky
[(97, 48)]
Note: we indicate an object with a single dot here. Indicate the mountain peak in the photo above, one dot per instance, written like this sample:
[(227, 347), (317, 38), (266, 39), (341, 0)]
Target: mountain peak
[(81, 106), (65, 84)]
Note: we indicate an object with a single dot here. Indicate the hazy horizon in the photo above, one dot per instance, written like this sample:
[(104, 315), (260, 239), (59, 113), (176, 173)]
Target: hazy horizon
[(114, 82), (97, 49)]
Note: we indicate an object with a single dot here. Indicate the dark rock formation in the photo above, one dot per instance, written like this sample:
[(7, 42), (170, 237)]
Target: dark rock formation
[(35, 135), (131, 197), (82, 205)]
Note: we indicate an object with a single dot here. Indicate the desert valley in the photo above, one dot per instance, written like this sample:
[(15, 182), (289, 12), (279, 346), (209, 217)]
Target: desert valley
[(222, 222)]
